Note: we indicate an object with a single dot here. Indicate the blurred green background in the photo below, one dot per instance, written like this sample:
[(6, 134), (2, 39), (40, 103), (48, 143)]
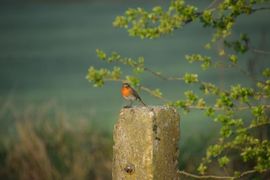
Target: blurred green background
[(46, 48)]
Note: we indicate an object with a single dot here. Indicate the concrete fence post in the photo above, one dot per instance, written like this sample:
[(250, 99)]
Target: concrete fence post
[(146, 144)]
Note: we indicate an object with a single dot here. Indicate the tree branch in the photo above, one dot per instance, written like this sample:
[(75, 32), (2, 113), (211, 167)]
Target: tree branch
[(214, 4), (204, 177), (159, 75), (259, 51), (245, 173), (258, 125), (260, 9), (153, 94), (220, 109)]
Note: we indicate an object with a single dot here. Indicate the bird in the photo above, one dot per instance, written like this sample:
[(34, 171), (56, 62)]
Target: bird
[(130, 94)]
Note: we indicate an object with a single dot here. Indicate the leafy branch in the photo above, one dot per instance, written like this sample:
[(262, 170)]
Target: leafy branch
[(224, 106)]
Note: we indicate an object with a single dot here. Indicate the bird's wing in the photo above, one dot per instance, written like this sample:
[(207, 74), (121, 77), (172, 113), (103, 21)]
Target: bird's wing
[(138, 97), (136, 94)]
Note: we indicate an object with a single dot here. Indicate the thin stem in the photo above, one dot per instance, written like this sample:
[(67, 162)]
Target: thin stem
[(220, 109), (245, 173), (260, 51), (155, 73), (258, 125), (243, 71), (260, 9), (204, 177), (213, 4), (152, 94), (159, 75)]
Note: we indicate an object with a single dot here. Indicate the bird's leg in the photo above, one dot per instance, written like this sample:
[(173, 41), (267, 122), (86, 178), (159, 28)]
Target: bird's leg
[(129, 105)]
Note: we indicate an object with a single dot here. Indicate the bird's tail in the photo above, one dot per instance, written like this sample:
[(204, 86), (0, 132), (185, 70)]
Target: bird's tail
[(142, 102)]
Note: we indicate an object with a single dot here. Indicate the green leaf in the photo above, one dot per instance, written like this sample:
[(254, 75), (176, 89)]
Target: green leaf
[(101, 55), (223, 161), (266, 72), (202, 168), (210, 112), (134, 81), (157, 93), (233, 58), (205, 60), (191, 96), (190, 78)]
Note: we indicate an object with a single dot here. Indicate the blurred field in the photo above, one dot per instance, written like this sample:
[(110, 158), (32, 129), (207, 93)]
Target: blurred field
[(47, 145), (45, 51)]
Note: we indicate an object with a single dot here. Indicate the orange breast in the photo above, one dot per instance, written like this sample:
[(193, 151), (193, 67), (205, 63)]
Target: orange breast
[(126, 91)]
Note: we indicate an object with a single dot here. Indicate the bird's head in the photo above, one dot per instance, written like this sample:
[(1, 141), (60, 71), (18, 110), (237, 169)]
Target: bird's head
[(125, 85)]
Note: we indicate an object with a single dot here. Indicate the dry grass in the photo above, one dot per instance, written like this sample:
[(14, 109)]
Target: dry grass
[(48, 145)]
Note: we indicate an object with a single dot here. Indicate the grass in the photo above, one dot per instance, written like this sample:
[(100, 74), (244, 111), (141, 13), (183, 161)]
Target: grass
[(48, 145)]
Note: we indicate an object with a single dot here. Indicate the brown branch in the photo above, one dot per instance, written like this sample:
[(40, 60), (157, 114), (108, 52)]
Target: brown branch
[(258, 125), (220, 109), (214, 4), (204, 177), (255, 50), (112, 79), (245, 173), (260, 9), (244, 72), (153, 94), (259, 51), (159, 75)]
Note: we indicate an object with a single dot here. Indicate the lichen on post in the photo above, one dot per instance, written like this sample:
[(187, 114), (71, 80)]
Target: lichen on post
[(146, 144)]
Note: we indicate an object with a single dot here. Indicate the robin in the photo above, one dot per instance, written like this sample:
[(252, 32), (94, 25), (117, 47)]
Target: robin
[(130, 94)]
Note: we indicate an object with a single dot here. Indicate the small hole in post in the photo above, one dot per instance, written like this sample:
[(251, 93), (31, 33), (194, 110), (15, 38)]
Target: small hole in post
[(130, 169)]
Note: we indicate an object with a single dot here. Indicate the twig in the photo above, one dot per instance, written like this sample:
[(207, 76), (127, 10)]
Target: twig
[(260, 51), (243, 71), (220, 109), (155, 73), (245, 173), (213, 4), (111, 79), (204, 177), (258, 125), (261, 8), (159, 75), (151, 93)]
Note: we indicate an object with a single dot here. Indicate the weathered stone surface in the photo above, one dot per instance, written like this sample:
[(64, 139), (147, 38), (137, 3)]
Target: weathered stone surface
[(146, 144)]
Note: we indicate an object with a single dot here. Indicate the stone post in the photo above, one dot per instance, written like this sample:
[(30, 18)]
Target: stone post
[(146, 144)]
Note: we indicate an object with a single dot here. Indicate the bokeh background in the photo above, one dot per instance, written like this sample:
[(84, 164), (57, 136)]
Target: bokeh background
[(53, 123)]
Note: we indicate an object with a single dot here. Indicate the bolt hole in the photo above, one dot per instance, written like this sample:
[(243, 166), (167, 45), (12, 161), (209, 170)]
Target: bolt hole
[(130, 169)]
